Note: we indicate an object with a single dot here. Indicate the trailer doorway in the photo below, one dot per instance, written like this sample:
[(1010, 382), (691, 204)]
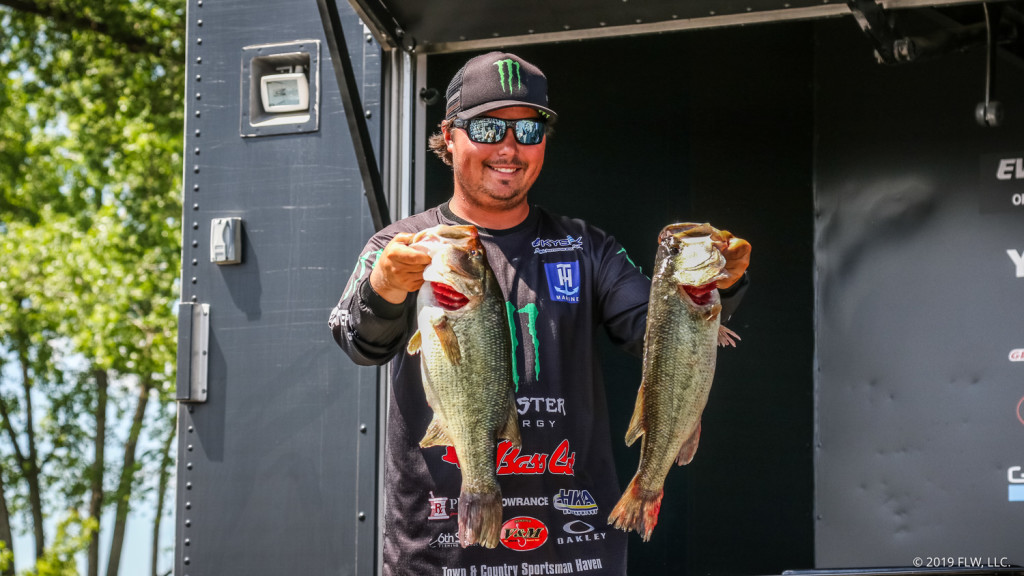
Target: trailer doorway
[(717, 126)]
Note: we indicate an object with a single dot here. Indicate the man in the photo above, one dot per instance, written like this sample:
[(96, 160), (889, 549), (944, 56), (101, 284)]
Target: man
[(563, 280)]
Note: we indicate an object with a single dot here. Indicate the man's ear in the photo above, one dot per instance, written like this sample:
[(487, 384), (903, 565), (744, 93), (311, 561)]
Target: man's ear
[(448, 138)]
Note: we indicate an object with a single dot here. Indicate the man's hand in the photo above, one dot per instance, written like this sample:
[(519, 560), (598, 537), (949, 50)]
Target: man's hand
[(737, 258), (399, 269)]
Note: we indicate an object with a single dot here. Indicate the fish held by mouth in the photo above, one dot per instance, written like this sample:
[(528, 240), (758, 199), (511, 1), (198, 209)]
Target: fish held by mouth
[(680, 351), (464, 344)]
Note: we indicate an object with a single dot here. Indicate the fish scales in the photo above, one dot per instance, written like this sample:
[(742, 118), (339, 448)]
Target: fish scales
[(465, 346), (680, 350)]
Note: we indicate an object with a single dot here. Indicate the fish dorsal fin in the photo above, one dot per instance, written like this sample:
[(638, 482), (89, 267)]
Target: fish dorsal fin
[(436, 435), (414, 343), (510, 430), (636, 423), (449, 341)]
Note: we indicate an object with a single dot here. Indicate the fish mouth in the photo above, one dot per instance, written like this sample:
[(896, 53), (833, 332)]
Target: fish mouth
[(448, 297), (699, 295)]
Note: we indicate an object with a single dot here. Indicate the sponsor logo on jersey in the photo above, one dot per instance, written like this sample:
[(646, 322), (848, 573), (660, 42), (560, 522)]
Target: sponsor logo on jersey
[(578, 531), (532, 501), (437, 508), (563, 281), (523, 533), (575, 502), (446, 540), (512, 461), (567, 244), (542, 408)]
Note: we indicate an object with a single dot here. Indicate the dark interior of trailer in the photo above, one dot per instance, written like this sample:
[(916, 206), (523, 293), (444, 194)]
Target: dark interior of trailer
[(731, 126), (712, 126)]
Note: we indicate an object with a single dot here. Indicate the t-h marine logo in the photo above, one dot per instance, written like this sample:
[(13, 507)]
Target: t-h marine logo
[(506, 68), (563, 281)]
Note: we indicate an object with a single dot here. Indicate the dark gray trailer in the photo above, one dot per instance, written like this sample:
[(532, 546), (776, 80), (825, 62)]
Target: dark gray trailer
[(873, 415)]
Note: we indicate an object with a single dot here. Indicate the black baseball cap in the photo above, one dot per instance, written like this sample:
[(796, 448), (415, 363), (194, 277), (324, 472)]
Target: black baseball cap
[(497, 80)]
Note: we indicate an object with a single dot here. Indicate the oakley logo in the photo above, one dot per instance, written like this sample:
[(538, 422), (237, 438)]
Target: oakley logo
[(505, 69)]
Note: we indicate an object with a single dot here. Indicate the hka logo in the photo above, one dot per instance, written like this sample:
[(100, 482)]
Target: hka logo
[(575, 502), (523, 533), (561, 461), (506, 67)]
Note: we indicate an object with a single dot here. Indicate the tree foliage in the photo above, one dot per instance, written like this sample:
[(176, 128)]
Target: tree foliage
[(91, 116)]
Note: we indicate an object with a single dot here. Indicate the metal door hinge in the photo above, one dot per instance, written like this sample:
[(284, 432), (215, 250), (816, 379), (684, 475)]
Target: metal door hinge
[(193, 351)]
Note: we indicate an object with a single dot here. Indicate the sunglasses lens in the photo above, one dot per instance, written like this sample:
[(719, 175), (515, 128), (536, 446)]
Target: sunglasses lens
[(486, 130), (529, 131)]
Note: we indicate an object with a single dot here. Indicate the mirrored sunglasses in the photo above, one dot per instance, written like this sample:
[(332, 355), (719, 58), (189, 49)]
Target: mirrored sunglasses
[(487, 130)]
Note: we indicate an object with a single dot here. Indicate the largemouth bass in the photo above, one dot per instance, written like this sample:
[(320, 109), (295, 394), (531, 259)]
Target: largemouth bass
[(466, 361), (683, 330)]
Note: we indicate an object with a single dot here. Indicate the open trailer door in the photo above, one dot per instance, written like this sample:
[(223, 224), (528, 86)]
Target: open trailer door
[(871, 415)]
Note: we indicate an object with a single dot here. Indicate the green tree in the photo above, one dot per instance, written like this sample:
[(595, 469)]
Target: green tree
[(90, 170)]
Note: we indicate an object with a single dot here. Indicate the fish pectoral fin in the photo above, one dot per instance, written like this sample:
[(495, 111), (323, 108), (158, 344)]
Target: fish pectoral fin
[(510, 430), (727, 337), (715, 311), (414, 343), (437, 435), (449, 341), (689, 449), (636, 423)]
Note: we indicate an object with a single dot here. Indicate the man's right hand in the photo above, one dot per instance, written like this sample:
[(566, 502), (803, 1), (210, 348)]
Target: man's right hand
[(399, 269)]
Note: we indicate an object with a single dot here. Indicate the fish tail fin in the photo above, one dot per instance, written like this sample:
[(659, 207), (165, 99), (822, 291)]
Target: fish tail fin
[(479, 518), (689, 449), (636, 423), (637, 510)]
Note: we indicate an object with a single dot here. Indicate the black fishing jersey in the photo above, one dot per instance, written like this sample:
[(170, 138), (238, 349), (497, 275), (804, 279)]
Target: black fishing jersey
[(562, 279)]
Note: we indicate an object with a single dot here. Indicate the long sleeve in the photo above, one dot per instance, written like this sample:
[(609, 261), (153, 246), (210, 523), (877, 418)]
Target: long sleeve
[(367, 327)]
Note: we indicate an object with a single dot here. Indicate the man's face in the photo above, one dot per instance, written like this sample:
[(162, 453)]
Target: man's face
[(495, 176)]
